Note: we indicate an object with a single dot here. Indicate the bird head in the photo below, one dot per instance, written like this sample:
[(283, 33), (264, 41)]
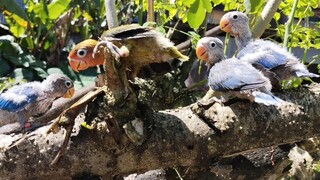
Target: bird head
[(210, 50), (80, 57), (234, 22), (57, 85)]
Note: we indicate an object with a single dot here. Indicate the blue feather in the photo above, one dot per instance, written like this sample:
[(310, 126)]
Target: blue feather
[(234, 75), (266, 99), (265, 53), (23, 95), (303, 74)]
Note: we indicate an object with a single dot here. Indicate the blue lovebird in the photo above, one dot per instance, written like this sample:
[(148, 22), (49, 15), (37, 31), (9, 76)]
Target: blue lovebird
[(262, 52), (233, 77), (21, 102)]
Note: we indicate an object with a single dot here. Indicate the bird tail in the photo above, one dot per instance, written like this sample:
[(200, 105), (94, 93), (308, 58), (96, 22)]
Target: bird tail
[(304, 74), (266, 99)]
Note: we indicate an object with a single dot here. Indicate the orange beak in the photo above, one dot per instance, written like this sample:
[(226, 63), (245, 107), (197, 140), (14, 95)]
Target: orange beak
[(69, 93), (225, 25), (78, 65), (202, 52)]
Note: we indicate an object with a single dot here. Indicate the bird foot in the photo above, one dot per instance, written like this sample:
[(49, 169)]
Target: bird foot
[(30, 126), (209, 102), (116, 52)]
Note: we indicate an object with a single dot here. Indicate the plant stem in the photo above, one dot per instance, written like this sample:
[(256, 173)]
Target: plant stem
[(289, 24), (150, 11), (111, 14), (264, 19), (141, 12), (226, 42)]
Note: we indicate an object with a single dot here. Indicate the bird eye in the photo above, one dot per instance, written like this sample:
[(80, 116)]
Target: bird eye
[(81, 53), (212, 44), (235, 16), (68, 84)]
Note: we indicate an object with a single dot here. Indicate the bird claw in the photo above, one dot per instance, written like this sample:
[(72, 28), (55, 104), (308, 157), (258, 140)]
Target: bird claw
[(116, 52), (209, 102)]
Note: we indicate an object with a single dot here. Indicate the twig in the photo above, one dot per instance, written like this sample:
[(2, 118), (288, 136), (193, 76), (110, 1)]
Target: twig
[(289, 24)]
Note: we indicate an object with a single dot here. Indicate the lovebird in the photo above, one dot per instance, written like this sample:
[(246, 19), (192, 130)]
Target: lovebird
[(21, 102), (233, 77), (264, 53), (136, 46)]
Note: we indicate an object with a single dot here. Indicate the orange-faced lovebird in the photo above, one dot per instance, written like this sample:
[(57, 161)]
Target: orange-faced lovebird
[(262, 52), (234, 77), (136, 46), (81, 56), (21, 102)]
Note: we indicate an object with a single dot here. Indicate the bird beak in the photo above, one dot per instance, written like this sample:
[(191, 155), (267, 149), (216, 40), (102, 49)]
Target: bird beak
[(77, 65), (202, 52), (69, 93), (225, 25)]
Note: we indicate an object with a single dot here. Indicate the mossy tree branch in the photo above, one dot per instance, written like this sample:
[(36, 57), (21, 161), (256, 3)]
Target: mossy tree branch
[(176, 137)]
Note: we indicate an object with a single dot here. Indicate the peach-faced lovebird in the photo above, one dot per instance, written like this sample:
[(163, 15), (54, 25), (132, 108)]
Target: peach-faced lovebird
[(134, 45), (21, 102), (262, 52), (234, 77)]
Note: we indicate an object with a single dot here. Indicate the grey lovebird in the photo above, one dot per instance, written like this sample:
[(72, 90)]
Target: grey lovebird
[(21, 102), (262, 52), (234, 77)]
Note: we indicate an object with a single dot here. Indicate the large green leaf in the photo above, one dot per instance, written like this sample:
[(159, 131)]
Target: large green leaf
[(41, 10), (196, 14), (4, 67), (12, 7), (56, 8), (8, 46), (22, 73), (253, 6)]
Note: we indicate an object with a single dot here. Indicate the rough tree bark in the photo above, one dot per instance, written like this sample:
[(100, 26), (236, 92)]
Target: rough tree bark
[(193, 136)]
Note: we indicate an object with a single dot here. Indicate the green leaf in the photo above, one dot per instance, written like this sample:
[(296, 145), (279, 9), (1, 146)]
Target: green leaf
[(12, 7), (40, 72), (196, 14), (22, 73), (56, 8), (55, 70), (88, 76), (253, 6), (4, 67), (41, 11), (207, 5), (188, 2), (8, 47)]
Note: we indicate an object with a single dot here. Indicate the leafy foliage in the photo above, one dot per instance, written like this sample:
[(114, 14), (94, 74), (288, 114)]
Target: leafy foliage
[(45, 30), (42, 36)]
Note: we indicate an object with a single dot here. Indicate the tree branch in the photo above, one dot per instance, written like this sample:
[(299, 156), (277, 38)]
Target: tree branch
[(177, 137), (111, 14), (264, 19)]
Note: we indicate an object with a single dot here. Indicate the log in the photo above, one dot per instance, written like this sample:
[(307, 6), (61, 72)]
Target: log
[(193, 136)]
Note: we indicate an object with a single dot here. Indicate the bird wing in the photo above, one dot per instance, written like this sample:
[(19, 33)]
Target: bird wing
[(265, 53), (132, 31), (235, 75), (17, 98)]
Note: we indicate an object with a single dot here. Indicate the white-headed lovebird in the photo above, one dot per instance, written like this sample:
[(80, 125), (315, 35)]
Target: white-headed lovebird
[(21, 102), (262, 52), (233, 77)]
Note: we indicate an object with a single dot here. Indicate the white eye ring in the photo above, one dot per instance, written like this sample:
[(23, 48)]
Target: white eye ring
[(82, 53), (68, 83), (212, 44)]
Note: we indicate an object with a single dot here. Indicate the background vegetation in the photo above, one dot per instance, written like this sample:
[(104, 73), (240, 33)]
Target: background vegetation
[(44, 31)]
